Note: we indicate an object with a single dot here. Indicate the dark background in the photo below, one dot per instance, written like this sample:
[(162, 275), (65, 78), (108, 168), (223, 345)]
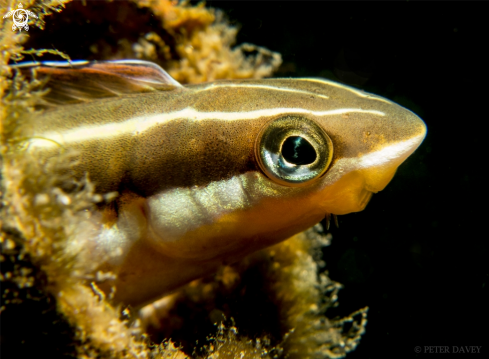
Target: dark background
[(418, 254)]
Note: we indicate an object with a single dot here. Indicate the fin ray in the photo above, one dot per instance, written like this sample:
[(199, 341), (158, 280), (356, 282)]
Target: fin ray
[(84, 81)]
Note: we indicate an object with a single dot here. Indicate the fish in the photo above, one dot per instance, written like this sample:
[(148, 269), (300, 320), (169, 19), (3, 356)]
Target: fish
[(209, 173)]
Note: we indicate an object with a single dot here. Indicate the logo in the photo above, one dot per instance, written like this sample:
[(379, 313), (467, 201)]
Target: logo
[(20, 18)]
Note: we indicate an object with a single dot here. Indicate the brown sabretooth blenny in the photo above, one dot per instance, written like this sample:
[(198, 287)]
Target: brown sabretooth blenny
[(209, 173)]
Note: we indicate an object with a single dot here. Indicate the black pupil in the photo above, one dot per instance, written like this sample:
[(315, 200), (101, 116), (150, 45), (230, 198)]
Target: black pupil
[(298, 151)]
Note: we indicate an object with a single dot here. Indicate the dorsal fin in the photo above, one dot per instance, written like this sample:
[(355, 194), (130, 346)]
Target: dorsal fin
[(84, 81)]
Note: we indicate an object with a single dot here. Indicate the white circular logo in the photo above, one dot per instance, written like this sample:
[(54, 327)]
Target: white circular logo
[(20, 18)]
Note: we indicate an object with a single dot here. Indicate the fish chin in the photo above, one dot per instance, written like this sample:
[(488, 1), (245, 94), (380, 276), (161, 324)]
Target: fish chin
[(346, 195)]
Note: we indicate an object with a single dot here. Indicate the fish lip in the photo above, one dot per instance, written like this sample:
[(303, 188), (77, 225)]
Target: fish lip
[(395, 156), (366, 199)]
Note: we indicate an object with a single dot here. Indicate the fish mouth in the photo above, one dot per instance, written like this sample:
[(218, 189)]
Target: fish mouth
[(372, 169), (379, 167), (346, 195)]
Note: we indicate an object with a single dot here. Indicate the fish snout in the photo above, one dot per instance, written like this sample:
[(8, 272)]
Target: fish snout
[(371, 149), (379, 166)]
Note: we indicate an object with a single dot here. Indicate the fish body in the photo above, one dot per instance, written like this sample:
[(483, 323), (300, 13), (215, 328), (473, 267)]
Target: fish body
[(209, 173)]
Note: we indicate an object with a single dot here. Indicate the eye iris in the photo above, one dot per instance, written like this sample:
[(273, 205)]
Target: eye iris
[(293, 151), (298, 151)]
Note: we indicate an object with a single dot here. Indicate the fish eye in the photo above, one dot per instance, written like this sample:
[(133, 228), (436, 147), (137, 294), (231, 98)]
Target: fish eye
[(293, 151)]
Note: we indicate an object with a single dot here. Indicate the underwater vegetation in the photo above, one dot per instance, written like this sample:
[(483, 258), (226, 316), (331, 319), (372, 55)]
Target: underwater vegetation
[(273, 303)]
